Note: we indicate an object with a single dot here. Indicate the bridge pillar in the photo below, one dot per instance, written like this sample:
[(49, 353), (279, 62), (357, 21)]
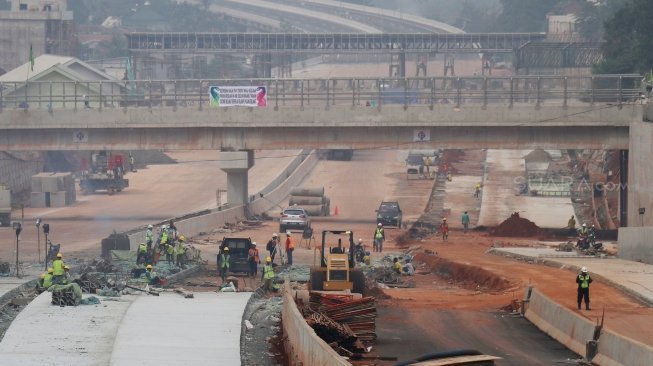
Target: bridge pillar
[(640, 171), (236, 164)]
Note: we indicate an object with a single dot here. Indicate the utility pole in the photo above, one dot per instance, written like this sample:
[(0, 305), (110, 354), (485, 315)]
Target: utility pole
[(46, 231), (38, 238), (18, 227)]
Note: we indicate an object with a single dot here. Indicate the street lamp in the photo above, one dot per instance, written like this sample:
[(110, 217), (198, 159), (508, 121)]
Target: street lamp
[(18, 227), (46, 231), (38, 236)]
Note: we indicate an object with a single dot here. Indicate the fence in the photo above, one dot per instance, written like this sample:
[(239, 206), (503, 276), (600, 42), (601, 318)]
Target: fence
[(300, 93)]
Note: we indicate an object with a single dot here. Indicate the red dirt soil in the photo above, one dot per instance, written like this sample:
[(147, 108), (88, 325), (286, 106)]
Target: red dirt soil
[(515, 226)]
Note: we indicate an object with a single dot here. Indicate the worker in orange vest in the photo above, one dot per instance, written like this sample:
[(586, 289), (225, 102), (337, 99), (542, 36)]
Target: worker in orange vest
[(444, 229), (290, 247), (253, 259)]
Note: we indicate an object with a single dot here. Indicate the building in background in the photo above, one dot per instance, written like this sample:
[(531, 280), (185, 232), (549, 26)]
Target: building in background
[(46, 25)]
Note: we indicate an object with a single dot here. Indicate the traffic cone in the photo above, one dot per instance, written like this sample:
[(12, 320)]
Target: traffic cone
[(335, 213)]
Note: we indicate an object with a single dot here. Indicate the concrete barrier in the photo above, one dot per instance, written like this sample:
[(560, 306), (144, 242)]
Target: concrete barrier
[(634, 244), (302, 345), (565, 326), (617, 350)]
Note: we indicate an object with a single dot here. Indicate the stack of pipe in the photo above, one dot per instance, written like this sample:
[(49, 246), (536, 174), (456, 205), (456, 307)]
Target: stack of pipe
[(358, 315), (312, 200)]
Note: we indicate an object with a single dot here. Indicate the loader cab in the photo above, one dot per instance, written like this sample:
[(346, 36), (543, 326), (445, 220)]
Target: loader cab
[(335, 270)]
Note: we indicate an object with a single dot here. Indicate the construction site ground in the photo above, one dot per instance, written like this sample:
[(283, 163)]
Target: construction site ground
[(460, 294)]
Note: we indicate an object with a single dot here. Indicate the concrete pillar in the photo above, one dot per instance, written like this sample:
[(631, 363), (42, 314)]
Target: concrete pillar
[(236, 164), (640, 171)]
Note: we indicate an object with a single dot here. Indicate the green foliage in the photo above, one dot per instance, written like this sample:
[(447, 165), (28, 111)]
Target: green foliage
[(524, 15), (628, 37), (592, 17)]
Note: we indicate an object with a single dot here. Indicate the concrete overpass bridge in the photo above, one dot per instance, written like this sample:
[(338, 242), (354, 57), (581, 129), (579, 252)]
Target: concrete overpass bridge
[(602, 112)]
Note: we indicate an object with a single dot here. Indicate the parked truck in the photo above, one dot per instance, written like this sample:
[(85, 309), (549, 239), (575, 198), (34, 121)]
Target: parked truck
[(104, 172), (5, 206)]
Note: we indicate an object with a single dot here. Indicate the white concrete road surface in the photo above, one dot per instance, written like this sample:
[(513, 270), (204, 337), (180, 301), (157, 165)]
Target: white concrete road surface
[(133, 330)]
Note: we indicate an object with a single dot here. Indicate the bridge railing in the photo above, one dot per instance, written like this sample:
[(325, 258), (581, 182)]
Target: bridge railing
[(434, 92)]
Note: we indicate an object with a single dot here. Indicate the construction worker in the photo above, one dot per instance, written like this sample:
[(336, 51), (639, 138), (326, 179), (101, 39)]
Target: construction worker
[(46, 279), (366, 259), (427, 164), (477, 190), (170, 253), (163, 238), (408, 268), (58, 271), (180, 252), (253, 259), (396, 265), (223, 263), (141, 255), (149, 237), (67, 278), (272, 246), (151, 276), (583, 280), (131, 162), (583, 232), (268, 275), (571, 225), (379, 237), (444, 229), (290, 247), (465, 222)]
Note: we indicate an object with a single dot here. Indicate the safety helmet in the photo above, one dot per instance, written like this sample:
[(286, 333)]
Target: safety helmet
[(444, 219), (584, 225), (150, 226), (42, 275), (254, 243), (50, 270), (288, 233), (268, 259), (226, 249), (379, 224), (149, 266), (182, 238), (163, 227), (584, 269), (274, 235), (66, 267), (59, 255), (593, 225), (360, 240)]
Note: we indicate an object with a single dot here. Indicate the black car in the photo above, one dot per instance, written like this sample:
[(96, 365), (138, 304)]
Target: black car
[(238, 253), (389, 214)]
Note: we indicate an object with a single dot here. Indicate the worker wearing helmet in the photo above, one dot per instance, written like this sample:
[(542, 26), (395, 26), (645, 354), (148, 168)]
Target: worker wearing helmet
[(267, 275), (46, 279), (58, 271), (141, 253), (444, 229), (149, 237), (67, 278), (290, 246), (272, 246), (379, 237), (224, 263), (180, 252), (583, 280), (253, 260), (151, 276)]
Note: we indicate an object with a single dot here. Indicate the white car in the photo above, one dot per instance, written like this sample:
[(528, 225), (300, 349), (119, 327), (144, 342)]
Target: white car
[(294, 218)]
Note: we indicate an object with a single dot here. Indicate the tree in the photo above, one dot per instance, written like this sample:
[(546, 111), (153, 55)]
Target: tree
[(628, 46), (524, 15), (593, 16)]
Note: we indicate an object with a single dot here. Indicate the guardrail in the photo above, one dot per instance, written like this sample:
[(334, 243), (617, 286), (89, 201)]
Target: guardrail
[(300, 93)]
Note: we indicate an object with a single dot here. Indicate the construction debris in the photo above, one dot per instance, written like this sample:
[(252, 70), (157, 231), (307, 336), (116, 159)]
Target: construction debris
[(66, 295), (184, 293)]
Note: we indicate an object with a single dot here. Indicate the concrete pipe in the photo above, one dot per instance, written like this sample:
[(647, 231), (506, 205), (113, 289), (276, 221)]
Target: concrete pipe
[(313, 210), (306, 200), (311, 192)]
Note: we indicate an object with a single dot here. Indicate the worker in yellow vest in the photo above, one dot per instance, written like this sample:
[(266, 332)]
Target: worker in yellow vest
[(46, 279), (268, 275), (58, 271), (223, 263), (180, 251), (583, 280)]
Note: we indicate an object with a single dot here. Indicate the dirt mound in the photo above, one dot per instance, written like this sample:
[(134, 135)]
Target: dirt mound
[(516, 226), (463, 275)]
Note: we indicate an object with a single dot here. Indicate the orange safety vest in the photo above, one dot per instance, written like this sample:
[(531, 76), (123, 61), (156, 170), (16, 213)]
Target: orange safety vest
[(253, 255), (290, 244)]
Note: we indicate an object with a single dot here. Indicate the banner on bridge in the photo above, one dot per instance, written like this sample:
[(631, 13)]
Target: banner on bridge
[(238, 96)]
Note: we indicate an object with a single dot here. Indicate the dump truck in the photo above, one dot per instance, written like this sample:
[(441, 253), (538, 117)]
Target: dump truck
[(5, 206), (105, 172), (336, 272)]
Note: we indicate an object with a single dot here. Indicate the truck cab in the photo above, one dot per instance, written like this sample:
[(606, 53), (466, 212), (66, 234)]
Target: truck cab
[(238, 252)]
